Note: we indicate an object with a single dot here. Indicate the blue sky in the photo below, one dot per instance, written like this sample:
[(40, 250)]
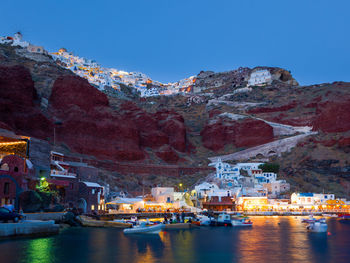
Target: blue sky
[(172, 39)]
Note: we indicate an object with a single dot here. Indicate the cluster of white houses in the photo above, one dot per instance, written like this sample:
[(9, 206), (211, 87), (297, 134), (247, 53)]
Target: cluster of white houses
[(240, 187), (17, 40), (109, 77)]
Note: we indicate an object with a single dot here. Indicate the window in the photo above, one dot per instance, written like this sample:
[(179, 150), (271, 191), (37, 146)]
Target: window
[(4, 210), (16, 169), (6, 188), (5, 167), (93, 191), (92, 207)]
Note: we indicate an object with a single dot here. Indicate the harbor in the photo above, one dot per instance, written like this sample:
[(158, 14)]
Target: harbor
[(271, 239)]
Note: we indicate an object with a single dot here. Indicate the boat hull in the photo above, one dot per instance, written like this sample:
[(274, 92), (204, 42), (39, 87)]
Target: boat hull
[(318, 228), (155, 229)]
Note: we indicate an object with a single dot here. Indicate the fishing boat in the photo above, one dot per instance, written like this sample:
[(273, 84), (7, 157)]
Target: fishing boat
[(226, 220), (318, 226), (223, 220), (144, 229)]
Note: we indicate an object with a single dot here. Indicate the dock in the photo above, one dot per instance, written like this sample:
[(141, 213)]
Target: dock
[(29, 228)]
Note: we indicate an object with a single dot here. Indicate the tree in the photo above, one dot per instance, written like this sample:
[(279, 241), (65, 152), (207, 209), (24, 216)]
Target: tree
[(270, 167)]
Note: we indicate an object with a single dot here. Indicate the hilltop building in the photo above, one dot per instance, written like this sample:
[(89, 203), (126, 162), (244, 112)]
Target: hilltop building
[(260, 77)]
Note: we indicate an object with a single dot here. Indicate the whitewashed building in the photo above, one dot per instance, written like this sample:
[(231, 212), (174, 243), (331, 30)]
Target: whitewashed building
[(260, 77), (310, 198), (163, 194)]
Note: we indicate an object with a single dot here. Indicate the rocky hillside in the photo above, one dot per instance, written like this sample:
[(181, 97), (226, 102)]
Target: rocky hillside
[(168, 139)]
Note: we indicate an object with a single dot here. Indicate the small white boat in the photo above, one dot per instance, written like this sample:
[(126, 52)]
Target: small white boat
[(309, 220), (241, 221), (329, 215), (204, 220), (318, 226), (143, 229), (226, 220)]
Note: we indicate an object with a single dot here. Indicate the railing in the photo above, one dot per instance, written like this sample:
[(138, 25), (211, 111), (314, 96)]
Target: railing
[(54, 172)]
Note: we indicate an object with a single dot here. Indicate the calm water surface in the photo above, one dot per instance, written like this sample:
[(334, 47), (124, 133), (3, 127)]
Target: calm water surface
[(271, 239)]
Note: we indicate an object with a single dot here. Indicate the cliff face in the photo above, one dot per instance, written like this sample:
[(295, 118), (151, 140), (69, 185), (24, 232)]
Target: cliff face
[(181, 130), (19, 110)]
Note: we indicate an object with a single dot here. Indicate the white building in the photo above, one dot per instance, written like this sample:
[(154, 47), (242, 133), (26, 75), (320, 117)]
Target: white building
[(277, 187), (249, 167), (163, 194), (205, 189), (226, 171), (36, 49), (310, 198), (260, 77)]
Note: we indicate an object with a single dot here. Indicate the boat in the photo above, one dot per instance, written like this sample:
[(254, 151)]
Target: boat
[(329, 215), (344, 216), (309, 220), (89, 222), (223, 220), (203, 220), (226, 220), (241, 221), (144, 229), (319, 226)]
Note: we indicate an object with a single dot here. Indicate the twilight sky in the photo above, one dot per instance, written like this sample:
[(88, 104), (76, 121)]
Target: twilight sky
[(173, 39)]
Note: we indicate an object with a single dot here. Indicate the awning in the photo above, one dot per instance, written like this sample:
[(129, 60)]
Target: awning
[(58, 182)]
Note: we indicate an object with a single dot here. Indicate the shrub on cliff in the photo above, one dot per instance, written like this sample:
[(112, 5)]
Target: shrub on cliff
[(270, 167)]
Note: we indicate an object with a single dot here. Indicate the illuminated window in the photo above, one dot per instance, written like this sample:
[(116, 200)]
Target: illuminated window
[(92, 207)]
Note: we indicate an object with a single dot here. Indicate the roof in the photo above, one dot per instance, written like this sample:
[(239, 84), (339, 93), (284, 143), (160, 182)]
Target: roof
[(58, 182), (29, 164), (306, 194), (125, 201), (91, 184), (63, 175)]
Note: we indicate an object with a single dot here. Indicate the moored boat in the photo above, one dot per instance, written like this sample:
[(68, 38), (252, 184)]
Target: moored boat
[(226, 220), (309, 220), (144, 229), (319, 226), (241, 221)]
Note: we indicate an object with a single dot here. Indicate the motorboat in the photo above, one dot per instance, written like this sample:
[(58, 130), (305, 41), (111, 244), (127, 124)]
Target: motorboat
[(318, 226), (329, 215), (203, 220), (309, 220), (224, 220), (241, 221), (144, 229)]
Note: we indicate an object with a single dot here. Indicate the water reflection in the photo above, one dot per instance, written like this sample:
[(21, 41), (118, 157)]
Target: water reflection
[(145, 248), (271, 239), (39, 250)]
